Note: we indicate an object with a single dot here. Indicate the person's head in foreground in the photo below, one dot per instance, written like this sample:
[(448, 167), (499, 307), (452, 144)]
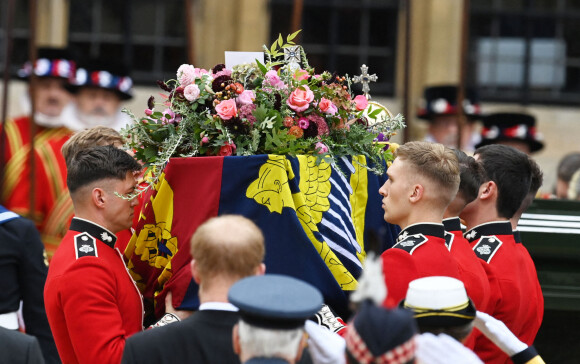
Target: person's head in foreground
[(423, 180), (440, 305), (102, 185), (507, 182), (225, 249), (94, 137), (380, 335), (273, 311)]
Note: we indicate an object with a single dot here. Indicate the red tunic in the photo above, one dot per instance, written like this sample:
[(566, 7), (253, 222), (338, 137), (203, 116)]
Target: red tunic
[(91, 302), (535, 311), (471, 271), (49, 175), (420, 252), (494, 243)]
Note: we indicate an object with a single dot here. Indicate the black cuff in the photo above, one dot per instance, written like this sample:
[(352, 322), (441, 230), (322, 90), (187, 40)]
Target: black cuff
[(525, 355)]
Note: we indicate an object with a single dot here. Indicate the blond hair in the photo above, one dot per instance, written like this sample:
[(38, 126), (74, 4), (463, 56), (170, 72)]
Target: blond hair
[(435, 162), (94, 137), (229, 245)]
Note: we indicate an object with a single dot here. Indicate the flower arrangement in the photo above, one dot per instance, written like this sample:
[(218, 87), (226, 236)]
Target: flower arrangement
[(271, 108)]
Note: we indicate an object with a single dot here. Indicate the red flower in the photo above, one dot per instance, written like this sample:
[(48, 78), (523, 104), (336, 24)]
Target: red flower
[(296, 131), (227, 149)]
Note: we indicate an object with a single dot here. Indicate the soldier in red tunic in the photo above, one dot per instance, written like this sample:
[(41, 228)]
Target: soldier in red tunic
[(54, 68), (92, 303), (490, 235), (423, 180)]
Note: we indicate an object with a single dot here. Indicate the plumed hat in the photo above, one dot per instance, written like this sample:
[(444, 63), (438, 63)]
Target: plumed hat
[(511, 126), (109, 75), (442, 100)]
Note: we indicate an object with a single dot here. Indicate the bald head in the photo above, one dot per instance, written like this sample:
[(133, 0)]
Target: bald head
[(228, 245)]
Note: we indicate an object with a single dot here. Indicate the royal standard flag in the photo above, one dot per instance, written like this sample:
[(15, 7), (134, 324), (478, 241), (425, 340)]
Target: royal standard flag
[(315, 218)]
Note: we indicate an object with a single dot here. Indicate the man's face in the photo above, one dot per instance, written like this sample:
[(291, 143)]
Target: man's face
[(444, 130), (396, 191), (94, 101), (51, 96), (119, 210)]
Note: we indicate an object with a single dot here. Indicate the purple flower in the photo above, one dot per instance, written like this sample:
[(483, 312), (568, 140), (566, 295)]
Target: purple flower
[(168, 117), (381, 138), (303, 123)]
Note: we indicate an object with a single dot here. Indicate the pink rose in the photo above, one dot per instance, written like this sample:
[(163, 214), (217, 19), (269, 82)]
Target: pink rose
[(198, 72), (185, 74), (361, 102), (247, 97), (326, 106), (191, 92), (227, 109), (148, 112), (300, 75), (300, 98), (321, 147), (204, 140), (272, 79)]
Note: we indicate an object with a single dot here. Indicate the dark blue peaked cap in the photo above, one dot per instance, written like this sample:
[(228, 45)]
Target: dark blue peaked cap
[(275, 301)]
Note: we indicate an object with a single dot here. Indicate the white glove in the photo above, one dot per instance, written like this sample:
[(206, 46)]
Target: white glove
[(325, 346), (443, 349), (499, 334)]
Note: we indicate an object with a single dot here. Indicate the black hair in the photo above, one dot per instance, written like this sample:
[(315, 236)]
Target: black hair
[(510, 170), (471, 175), (568, 165), (98, 163), (537, 177)]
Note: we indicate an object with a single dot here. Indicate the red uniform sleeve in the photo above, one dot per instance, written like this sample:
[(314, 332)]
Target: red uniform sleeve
[(89, 302), (399, 270)]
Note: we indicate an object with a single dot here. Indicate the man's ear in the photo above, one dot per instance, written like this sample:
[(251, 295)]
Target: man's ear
[(261, 269), (236, 340), (487, 190), (416, 193), (99, 197), (194, 272)]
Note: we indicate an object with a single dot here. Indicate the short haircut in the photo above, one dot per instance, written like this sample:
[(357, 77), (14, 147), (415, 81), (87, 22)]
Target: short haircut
[(471, 174), (269, 343), (435, 162), (510, 170), (568, 165), (97, 136), (537, 177), (230, 245), (99, 163)]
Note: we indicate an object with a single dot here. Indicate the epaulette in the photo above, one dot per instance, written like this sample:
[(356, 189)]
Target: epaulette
[(449, 240), (411, 242), (486, 247), (85, 245)]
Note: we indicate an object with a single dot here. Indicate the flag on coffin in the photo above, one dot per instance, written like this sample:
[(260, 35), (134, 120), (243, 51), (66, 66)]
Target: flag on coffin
[(315, 219)]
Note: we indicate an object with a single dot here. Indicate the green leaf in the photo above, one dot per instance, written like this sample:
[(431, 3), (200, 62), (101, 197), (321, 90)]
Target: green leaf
[(293, 35), (374, 114), (261, 67), (280, 40)]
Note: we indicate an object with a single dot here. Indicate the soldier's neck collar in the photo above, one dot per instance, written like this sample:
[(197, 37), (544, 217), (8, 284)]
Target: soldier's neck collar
[(93, 229), (489, 228), (452, 224), (425, 228)]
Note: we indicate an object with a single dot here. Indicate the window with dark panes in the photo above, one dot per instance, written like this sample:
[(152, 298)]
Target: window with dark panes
[(148, 35), (19, 35), (525, 51), (342, 35)]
